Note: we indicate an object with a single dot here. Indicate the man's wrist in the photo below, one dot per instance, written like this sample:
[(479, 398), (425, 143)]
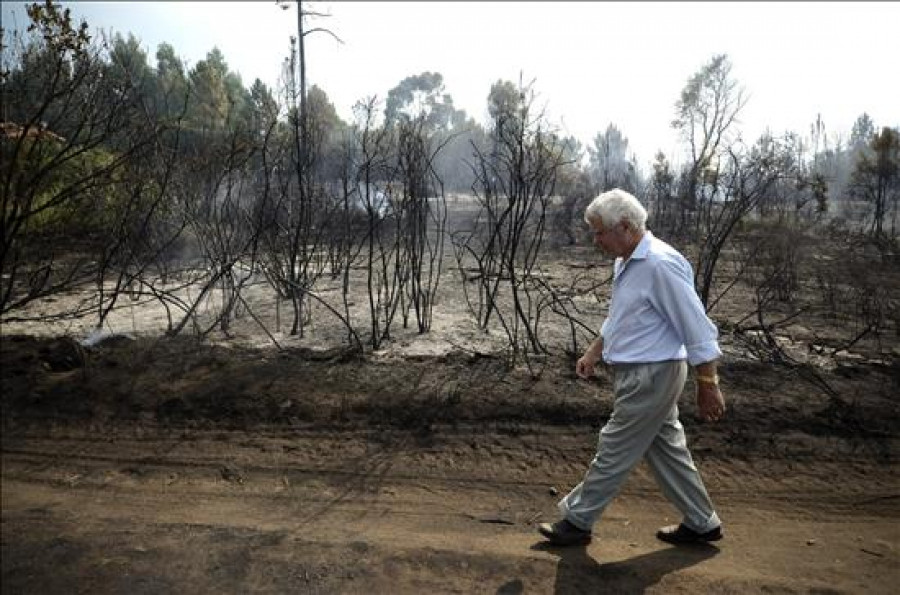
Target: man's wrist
[(712, 379)]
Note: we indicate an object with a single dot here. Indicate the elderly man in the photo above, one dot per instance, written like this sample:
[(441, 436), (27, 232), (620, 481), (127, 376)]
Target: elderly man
[(656, 327)]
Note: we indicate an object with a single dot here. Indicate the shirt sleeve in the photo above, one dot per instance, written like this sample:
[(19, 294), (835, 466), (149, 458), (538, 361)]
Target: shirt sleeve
[(674, 297)]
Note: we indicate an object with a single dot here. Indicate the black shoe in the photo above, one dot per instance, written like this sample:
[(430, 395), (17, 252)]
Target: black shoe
[(679, 534), (564, 533)]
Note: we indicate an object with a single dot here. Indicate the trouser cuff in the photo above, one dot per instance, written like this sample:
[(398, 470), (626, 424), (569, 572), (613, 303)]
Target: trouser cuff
[(704, 526), (572, 518)]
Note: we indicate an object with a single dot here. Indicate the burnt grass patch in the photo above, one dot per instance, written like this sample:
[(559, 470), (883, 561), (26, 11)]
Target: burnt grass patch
[(176, 382)]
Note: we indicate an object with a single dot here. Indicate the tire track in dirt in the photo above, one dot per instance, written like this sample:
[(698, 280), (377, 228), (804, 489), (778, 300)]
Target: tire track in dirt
[(240, 541), (331, 511), (402, 464)]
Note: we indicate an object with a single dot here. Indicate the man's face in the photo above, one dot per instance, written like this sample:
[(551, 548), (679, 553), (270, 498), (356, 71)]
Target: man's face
[(611, 239)]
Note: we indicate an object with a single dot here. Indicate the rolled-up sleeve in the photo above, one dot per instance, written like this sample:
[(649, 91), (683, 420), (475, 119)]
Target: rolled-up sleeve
[(674, 297)]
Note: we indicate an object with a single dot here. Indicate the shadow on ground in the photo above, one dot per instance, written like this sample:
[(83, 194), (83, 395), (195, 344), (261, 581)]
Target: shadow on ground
[(578, 572)]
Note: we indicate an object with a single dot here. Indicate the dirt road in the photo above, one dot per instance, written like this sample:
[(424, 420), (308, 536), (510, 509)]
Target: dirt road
[(137, 510), (168, 466)]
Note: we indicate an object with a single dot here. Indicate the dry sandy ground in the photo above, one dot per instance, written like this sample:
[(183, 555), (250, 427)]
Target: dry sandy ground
[(233, 471), (344, 512)]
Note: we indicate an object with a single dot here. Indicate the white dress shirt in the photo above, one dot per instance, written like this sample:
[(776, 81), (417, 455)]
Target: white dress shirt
[(655, 314)]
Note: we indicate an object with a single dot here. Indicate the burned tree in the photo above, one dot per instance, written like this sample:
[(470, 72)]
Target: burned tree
[(421, 214), (735, 189), (374, 173), (515, 183)]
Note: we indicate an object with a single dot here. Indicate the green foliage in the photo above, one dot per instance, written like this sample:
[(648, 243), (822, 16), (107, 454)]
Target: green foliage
[(55, 27), (862, 133), (127, 65), (55, 54), (702, 91), (210, 105), (423, 95), (610, 166), (876, 177), (505, 100), (707, 110), (264, 108), (321, 108), (54, 203)]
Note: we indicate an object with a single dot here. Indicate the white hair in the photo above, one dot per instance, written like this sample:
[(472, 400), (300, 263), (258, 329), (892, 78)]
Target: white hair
[(615, 206)]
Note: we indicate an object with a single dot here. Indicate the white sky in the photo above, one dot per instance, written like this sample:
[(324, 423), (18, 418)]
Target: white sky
[(593, 63)]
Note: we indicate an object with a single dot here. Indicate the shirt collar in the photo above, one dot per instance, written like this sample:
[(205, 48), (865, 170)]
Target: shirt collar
[(639, 253), (643, 247)]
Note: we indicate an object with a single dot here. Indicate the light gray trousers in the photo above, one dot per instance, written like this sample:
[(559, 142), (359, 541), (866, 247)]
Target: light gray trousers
[(644, 423)]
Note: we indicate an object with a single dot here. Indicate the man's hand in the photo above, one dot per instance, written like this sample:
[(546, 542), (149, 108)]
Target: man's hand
[(584, 368), (710, 403)]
